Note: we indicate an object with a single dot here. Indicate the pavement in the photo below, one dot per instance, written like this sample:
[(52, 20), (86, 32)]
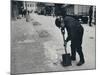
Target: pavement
[(37, 46)]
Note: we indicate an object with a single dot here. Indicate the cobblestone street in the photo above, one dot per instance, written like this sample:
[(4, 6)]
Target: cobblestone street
[(37, 46)]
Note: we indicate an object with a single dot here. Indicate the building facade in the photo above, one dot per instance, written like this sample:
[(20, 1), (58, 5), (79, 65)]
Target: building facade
[(29, 5)]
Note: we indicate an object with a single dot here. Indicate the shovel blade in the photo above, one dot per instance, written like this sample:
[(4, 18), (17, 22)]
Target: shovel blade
[(66, 60)]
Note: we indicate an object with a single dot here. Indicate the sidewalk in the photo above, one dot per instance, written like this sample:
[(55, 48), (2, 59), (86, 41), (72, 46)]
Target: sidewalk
[(27, 52), (37, 46), (54, 47)]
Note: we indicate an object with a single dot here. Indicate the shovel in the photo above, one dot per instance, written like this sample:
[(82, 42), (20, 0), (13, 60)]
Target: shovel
[(66, 58)]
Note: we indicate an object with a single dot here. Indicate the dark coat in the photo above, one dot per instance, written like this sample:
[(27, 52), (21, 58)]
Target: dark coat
[(74, 29)]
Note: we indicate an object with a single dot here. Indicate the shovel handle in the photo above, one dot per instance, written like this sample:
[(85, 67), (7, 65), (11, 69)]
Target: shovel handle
[(63, 34), (65, 44)]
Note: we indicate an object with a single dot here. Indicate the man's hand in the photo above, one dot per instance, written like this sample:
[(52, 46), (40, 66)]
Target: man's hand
[(65, 43), (63, 30), (67, 39)]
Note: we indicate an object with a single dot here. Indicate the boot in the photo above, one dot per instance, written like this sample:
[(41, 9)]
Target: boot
[(80, 63)]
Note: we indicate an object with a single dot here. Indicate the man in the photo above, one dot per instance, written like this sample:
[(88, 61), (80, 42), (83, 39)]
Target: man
[(75, 35), (90, 15)]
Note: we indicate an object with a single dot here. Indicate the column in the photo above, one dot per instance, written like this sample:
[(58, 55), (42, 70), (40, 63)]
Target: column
[(75, 9)]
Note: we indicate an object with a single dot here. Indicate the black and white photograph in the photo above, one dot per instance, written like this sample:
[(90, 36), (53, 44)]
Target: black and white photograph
[(52, 37)]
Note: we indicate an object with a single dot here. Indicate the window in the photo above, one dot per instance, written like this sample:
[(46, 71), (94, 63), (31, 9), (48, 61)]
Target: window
[(83, 10), (30, 5)]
